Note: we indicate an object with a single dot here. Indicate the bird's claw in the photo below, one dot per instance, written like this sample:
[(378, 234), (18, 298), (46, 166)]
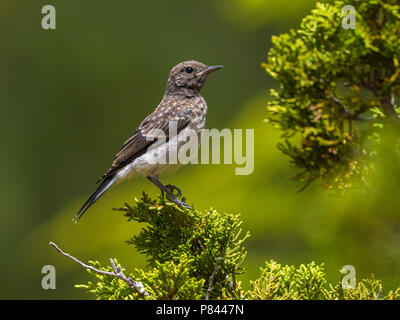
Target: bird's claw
[(183, 204), (171, 187)]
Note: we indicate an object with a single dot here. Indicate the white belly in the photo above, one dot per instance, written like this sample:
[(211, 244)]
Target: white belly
[(156, 161)]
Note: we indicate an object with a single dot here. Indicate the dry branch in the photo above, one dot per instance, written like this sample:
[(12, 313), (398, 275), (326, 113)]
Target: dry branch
[(137, 285)]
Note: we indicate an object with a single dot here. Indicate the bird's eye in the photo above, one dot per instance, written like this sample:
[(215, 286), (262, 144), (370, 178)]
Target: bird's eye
[(189, 70)]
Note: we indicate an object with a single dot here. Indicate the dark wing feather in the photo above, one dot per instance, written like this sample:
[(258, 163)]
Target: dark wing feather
[(143, 138)]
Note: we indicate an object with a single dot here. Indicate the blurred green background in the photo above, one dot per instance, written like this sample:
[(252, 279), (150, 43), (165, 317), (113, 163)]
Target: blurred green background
[(70, 97)]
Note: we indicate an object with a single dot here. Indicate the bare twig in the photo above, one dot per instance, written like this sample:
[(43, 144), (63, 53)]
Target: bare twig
[(210, 282), (137, 285)]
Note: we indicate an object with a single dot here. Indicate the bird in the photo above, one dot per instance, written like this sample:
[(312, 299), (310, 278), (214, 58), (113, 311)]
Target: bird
[(183, 105)]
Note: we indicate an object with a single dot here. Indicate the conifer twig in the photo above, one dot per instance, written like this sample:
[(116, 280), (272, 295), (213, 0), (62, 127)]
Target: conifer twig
[(137, 285), (210, 282)]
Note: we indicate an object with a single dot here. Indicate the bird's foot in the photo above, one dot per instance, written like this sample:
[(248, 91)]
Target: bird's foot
[(169, 190), (172, 188), (173, 198), (178, 202), (182, 204)]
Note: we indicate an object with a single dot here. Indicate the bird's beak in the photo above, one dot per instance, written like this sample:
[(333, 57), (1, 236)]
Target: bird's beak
[(208, 70)]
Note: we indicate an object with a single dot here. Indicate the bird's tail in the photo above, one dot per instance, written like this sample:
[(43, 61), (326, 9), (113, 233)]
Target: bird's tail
[(101, 189)]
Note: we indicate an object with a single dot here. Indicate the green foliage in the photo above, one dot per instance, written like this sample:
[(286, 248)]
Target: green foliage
[(287, 282), (337, 86), (193, 254), (308, 282)]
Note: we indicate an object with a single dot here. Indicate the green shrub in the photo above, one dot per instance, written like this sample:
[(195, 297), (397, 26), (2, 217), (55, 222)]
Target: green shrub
[(308, 282), (183, 248), (336, 89), (198, 254)]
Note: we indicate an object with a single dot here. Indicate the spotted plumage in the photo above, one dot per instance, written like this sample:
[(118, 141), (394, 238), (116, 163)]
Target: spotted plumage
[(182, 104)]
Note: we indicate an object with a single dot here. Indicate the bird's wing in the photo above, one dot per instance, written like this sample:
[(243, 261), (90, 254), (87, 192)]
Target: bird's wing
[(144, 136)]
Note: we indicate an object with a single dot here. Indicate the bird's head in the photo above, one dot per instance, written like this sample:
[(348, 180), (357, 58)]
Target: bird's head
[(188, 78)]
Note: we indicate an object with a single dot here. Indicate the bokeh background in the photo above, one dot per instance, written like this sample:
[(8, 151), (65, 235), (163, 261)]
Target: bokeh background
[(69, 98)]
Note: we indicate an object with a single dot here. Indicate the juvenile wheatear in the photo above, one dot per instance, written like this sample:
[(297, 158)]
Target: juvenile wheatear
[(183, 105)]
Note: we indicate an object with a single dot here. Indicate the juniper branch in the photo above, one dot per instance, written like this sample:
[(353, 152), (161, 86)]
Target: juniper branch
[(137, 285)]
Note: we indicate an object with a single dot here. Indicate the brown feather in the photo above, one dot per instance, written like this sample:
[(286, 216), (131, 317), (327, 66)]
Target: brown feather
[(143, 138)]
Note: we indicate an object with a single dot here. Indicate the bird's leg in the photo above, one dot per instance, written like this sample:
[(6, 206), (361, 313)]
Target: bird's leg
[(168, 192)]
